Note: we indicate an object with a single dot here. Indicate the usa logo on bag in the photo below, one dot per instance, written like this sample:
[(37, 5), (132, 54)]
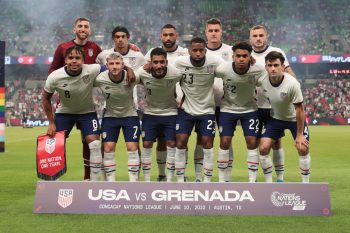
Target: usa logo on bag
[(65, 197), (50, 145)]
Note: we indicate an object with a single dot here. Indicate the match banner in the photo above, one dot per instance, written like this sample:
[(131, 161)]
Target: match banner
[(51, 156), (81, 197)]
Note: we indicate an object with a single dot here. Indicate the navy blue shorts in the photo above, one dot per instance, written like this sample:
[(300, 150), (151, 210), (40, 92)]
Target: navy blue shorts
[(205, 124), (275, 128), (88, 123), (249, 122), (264, 115), (111, 128), (154, 126)]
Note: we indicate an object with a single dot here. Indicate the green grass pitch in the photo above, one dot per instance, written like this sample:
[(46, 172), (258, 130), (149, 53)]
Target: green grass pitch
[(330, 154)]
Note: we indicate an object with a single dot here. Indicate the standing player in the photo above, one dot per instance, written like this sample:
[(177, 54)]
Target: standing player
[(120, 36), (198, 106), (168, 36), (74, 84), (284, 93), (215, 46), (120, 113), (160, 111), (240, 80), (82, 32), (258, 39)]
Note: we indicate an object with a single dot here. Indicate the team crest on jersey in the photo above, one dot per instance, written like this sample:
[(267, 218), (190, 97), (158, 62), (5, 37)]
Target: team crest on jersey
[(132, 61), (143, 133), (104, 135), (177, 126), (220, 129), (210, 69), (50, 145), (90, 52), (169, 83), (283, 95), (225, 56), (86, 79)]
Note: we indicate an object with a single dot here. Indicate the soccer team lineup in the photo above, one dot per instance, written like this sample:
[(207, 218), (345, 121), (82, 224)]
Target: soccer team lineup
[(161, 98)]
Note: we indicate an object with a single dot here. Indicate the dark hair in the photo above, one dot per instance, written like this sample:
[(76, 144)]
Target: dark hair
[(213, 21), (197, 40), (158, 52), (274, 55), (78, 49), (120, 29), (168, 26), (81, 19), (242, 45)]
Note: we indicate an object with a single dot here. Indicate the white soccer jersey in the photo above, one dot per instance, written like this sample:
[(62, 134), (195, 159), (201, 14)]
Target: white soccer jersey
[(225, 52), (239, 89), (131, 58), (197, 85), (75, 91), (260, 60), (118, 96), (283, 97), (160, 92), (171, 56)]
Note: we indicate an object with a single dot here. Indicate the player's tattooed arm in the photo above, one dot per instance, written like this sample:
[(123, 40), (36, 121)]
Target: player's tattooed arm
[(130, 77), (46, 101)]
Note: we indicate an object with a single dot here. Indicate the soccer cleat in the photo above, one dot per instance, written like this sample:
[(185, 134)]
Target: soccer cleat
[(279, 181), (161, 178)]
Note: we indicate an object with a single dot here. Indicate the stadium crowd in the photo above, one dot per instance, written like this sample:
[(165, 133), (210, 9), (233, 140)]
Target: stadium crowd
[(302, 32)]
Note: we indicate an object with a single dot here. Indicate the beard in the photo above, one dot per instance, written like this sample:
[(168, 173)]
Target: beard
[(169, 44)]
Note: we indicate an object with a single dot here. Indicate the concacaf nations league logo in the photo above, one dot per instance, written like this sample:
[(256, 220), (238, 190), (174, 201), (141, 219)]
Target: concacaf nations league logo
[(50, 145), (288, 199), (65, 197)]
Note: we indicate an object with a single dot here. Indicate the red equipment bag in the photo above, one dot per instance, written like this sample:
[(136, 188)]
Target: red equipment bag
[(51, 156)]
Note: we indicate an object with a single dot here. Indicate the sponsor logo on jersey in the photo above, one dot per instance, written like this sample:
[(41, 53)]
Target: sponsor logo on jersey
[(65, 197), (90, 52), (50, 145), (288, 199), (86, 79)]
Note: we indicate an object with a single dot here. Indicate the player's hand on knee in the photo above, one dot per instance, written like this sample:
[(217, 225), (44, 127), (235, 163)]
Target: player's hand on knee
[(302, 144), (51, 130)]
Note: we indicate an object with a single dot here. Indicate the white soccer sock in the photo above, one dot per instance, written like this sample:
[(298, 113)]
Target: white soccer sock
[(180, 164), (253, 163), (161, 161), (133, 165), (208, 164), (170, 158), (223, 157), (278, 162), (266, 165), (198, 162), (305, 164), (146, 159), (95, 160), (109, 166), (229, 165)]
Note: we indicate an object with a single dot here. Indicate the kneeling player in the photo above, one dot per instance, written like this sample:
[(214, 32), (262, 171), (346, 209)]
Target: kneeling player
[(160, 111), (120, 113), (284, 94)]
